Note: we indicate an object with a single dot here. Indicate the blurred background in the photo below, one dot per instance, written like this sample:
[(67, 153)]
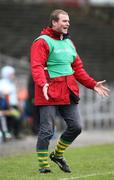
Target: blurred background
[(92, 30)]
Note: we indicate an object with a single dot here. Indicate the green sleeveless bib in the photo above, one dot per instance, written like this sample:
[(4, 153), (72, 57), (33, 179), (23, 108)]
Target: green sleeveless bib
[(61, 56)]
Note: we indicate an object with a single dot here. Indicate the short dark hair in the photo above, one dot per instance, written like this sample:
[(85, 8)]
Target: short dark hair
[(55, 15)]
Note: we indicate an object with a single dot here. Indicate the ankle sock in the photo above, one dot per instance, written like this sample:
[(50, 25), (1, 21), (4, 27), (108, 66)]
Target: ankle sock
[(61, 147), (43, 158)]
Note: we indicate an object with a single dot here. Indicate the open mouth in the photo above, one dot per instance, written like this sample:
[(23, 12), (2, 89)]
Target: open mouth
[(65, 28)]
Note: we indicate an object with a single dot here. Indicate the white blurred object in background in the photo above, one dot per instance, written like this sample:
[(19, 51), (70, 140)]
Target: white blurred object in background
[(102, 2), (7, 84)]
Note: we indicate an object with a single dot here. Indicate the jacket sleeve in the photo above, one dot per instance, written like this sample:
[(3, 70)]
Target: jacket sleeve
[(81, 75), (38, 57)]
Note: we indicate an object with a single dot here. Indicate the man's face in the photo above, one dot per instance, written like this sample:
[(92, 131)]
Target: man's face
[(62, 25)]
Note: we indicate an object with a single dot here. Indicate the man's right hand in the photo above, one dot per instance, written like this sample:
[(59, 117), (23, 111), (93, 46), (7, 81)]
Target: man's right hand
[(45, 91)]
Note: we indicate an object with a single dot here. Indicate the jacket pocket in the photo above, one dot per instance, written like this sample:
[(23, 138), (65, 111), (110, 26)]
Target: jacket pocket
[(57, 90), (54, 91)]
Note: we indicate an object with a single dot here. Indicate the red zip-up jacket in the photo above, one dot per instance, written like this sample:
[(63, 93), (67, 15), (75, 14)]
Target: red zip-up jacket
[(60, 88)]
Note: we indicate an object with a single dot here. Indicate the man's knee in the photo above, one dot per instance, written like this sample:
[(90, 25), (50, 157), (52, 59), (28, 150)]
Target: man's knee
[(76, 129), (46, 134)]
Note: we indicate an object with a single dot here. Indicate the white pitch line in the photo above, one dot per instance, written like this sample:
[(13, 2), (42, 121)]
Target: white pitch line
[(89, 175)]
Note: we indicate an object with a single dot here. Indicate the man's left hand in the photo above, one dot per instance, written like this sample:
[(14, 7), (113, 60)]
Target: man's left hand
[(101, 89)]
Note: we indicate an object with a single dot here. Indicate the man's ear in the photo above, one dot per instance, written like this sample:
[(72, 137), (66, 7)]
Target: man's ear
[(54, 23)]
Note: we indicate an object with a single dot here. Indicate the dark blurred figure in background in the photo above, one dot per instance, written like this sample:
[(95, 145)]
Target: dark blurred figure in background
[(31, 111), (4, 132)]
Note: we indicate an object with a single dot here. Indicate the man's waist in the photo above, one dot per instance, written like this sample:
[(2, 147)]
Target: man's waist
[(60, 70)]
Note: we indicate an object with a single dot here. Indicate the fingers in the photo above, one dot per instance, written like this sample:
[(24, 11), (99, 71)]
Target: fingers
[(102, 92), (101, 82), (104, 81), (105, 88), (46, 96), (105, 93), (45, 91), (101, 89)]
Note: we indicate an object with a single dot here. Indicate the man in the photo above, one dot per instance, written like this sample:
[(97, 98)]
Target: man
[(56, 68)]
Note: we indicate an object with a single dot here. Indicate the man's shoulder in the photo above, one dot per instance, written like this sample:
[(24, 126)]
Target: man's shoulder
[(45, 37)]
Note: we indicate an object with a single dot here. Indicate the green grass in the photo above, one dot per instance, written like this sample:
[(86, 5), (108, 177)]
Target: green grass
[(88, 163)]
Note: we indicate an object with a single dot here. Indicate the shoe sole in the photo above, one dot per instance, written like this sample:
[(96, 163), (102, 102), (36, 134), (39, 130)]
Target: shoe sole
[(45, 171)]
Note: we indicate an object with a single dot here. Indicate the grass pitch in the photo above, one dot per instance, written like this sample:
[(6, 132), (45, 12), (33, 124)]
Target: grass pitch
[(87, 163)]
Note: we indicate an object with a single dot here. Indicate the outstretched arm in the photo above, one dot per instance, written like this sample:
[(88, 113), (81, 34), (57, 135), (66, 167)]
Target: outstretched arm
[(83, 77), (101, 89)]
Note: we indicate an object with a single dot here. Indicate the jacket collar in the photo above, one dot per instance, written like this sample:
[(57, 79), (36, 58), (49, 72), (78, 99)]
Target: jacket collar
[(54, 34)]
